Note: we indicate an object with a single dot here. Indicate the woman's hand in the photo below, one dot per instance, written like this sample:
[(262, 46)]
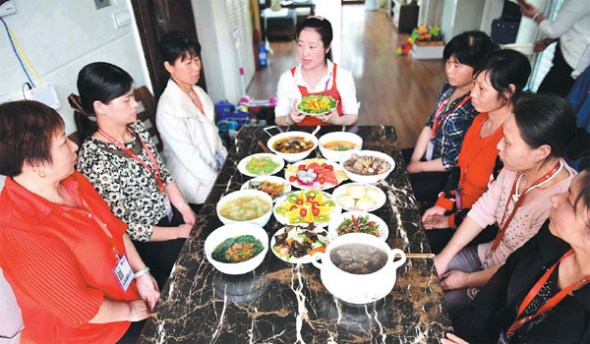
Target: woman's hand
[(454, 279), (148, 289), (436, 222), (440, 264), (414, 167), (528, 10), (295, 115), (331, 117), (452, 339), (183, 231), (188, 215), (435, 210), (138, 310)]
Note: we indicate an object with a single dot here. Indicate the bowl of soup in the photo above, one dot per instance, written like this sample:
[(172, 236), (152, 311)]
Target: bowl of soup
[(367, 166), (236, 248), (359, 268), (245, 206), (293, 145), (334, 146)]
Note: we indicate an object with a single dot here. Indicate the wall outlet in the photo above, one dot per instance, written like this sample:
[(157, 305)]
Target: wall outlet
[(7, 7)]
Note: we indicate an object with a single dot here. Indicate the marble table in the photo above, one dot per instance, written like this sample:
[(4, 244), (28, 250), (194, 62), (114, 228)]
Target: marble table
[(282, 303)]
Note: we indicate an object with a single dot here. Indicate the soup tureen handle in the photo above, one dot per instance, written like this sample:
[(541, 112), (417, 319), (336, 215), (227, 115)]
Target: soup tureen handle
[(397, 252), (320, 255)]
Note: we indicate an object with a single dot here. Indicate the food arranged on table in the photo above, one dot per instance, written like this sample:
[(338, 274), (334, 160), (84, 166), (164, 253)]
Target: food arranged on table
[(358, 222), (367, 166), (297, 243), (292, 146), (245, 206), (358, 196), (260, 164), (274, 186), (316, 105), (236, 248), (306, 206), (314, 173)]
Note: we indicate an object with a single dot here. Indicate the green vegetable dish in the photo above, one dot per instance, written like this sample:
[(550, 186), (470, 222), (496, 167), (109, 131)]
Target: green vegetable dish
[(238, 249), (360, 224), (317, 104), (261, 166)]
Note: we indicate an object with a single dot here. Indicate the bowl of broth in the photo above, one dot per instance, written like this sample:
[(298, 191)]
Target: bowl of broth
[(293, 145), (359, 268), (334, 146), (245, 206)]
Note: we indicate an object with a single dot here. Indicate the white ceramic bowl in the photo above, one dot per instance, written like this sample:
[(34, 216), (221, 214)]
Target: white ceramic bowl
[(276, 159), (234, 230), (335, 155), (337, 220), (292, 157), (232, 197), (372, 178)]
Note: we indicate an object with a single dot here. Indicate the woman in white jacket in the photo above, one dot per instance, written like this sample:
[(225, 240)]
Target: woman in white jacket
[(186, 121)]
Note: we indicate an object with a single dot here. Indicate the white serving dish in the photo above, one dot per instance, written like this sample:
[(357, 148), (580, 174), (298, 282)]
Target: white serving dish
[(234, 230), (368, 179), (260, 221), (373, 192), (242, 164), (272, 179), (335, 155), (337, 220), (292, 157)]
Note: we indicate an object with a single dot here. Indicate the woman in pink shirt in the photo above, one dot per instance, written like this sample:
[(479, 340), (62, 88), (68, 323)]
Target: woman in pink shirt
[(533, 145)]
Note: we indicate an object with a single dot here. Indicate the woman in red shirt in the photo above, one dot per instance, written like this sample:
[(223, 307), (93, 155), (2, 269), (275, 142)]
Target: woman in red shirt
[(498, 82), (74, 272)]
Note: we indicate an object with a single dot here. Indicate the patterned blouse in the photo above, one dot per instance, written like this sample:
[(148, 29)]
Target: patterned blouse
[(455, 122), (129, 189)]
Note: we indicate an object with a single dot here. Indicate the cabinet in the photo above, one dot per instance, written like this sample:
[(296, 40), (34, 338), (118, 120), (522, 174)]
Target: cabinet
[(404, 15)]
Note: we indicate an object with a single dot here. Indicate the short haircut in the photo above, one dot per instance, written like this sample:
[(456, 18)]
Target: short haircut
[(27, 129), (176, 45), (546, 120), (584, 194), (320, 25), (505, 67), (469, 47)]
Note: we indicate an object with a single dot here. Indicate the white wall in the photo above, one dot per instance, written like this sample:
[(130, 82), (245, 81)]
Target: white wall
[(59, 38)]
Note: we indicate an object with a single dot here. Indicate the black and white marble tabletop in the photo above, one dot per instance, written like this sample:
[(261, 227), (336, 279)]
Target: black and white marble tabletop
[(283, 303)]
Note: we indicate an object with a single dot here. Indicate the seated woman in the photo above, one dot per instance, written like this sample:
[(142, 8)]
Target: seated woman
[(499, 79), (546, 280), (532, 148), (75, 273), (122, 163), (315, 75), (186, 121), (439, 143)]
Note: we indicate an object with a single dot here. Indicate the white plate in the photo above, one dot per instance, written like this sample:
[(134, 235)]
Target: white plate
[(319, 113), (274, 157), (292, 169), (379, 199), (272, 179), (293, 260), (285, 221), (335, 223)]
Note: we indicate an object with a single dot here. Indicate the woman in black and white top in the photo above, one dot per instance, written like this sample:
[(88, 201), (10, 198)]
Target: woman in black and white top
[(124, 166)]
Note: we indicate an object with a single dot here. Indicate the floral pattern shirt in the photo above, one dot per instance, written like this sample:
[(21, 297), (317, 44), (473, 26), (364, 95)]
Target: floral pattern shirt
[(128, 188)]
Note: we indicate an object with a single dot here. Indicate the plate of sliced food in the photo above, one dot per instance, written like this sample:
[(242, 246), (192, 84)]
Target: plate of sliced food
[(315, 174), (316, 105), (274, 186), (260, 164), (297, 243), (358, 222), (306, 206)]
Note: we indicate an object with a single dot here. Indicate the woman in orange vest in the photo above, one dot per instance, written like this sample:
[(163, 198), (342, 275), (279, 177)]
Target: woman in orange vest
[(315, 75)]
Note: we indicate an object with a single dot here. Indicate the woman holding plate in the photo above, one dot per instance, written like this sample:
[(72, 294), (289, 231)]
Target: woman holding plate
[(316, 75)]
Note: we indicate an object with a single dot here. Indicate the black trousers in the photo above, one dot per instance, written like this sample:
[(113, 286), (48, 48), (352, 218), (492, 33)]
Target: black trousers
[(558, 80), (426, 185), (439, 238)]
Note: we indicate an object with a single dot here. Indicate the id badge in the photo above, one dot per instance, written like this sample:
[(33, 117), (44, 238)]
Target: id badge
[(123, 272), (429, 151), (167, 207)]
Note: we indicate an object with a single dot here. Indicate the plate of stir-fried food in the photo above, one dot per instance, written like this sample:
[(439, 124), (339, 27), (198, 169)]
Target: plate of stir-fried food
[(316, 105)]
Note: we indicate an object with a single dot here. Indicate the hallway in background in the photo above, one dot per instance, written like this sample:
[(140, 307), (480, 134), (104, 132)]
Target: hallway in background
[(393, 90)]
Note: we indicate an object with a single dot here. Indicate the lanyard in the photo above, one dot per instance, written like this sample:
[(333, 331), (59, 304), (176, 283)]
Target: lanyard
[(441, 109), (506, 222), (556, 299), (155, 171)]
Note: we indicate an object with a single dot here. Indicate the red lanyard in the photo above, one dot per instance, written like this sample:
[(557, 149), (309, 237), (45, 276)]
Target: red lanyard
[(556, 299), (506, 222), (441, 108), (155, 171)]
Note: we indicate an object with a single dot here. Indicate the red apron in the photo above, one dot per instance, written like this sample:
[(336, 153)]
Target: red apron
[(332, 92)]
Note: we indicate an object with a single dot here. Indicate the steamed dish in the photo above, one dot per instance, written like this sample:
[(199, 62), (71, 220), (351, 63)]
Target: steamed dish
[(366, 165), (359, 197), (340, 145), (238, 249), (244, 208), (293, 144), (358, 258)]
